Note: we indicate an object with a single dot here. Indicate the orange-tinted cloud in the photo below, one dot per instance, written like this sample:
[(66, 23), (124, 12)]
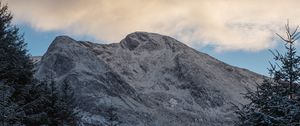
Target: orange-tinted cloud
[(226, 24)]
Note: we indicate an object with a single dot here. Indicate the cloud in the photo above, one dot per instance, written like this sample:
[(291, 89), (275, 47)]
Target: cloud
[(227, 25)]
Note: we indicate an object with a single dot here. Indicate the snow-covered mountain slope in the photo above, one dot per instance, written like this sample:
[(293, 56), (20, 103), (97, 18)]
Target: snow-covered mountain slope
[(153, 80)]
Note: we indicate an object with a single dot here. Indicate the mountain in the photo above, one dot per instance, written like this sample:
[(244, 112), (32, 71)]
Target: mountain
[(153, 80)]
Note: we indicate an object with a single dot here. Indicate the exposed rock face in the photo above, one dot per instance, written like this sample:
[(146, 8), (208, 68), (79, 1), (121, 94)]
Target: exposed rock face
[(152, 79)]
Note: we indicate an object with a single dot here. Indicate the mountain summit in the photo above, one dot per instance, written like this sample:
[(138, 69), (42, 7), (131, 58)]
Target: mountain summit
[(153, 80)]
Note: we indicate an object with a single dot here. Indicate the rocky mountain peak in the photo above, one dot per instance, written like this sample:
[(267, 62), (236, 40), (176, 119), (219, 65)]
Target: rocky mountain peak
[(145, 40), (61, 42), (153, 80)]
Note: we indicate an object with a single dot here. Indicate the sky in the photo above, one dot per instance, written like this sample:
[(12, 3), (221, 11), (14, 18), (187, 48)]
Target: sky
[(238, 32)]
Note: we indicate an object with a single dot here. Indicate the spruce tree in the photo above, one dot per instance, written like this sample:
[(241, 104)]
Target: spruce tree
[(15, 70), (276, 101), (15, 64)]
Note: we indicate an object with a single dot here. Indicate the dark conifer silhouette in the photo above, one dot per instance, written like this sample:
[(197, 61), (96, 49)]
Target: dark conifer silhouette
[(276, 102)]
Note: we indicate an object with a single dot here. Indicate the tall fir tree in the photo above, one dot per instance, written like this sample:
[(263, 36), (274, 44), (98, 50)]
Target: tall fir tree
[(15, 69), (276, 102), (15, 63)]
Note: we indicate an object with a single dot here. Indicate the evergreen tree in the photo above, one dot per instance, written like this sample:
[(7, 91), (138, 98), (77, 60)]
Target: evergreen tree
[(51, 106), (60, 107), (276, 102), (15, 64), (24, 101), (9, 113), (36, 113), (15, 70), (67, 105)]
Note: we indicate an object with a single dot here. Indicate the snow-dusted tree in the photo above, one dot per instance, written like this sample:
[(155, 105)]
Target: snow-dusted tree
[(276, 102), (9, 111)]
